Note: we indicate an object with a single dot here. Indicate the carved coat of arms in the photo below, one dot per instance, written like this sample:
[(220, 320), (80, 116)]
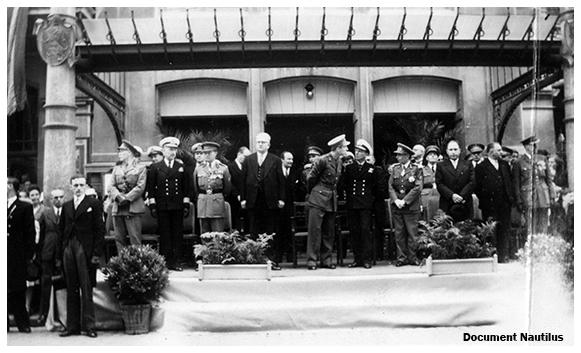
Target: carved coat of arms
[(55, 39)]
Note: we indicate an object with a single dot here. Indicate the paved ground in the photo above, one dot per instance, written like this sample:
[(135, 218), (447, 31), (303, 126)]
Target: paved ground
[(335, 337)]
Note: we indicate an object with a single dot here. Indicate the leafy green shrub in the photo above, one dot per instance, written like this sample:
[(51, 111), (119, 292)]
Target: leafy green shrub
[(550, 250), (444, 239), (232, 248), (138, 275)]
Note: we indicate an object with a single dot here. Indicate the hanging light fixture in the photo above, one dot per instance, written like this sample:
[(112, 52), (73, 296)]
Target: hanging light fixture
[(309, 88)]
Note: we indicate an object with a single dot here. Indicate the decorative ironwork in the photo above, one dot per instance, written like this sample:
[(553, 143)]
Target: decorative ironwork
[(296, 31), (269, 32), (136, 37), (242, 33), (508, 97), (402, 29), (163, 36), (110, 100), (190, 35), (324, 31), (111, 38), (350, 31), (376, 30), (216, 33)]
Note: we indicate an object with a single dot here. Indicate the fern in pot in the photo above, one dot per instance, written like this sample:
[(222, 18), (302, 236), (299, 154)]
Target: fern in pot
[(137, 276)]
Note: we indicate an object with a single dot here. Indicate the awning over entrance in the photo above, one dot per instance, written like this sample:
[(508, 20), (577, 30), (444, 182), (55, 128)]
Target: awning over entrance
[(180, 38)]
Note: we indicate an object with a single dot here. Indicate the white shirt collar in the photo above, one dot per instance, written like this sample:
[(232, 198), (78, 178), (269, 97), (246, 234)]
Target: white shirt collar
[(79, 199), (11, 200)]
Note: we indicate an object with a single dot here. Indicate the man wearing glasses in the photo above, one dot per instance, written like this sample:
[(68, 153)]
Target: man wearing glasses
[(83, 230)]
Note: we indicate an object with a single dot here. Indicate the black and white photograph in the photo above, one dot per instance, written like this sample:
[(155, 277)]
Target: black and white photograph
[(292, 174)]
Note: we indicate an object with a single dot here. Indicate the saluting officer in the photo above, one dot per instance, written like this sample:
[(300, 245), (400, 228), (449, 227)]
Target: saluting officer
[(169, 188), (312, 153), (322, 201), (405, 187), (126, 193), (360, 183), (211, 182)]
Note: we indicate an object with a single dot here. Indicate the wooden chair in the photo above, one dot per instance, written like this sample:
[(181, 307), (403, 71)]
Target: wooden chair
[(299, 226)]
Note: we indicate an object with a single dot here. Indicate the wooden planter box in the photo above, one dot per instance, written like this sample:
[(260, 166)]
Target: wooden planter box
[(446, 267), (258, 271)]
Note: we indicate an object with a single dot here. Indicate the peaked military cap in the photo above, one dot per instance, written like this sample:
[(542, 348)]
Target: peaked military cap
[(433, 149), (363, 145), (530, 140), (339, 140), (403, 149), (154, 150), (169, 141)]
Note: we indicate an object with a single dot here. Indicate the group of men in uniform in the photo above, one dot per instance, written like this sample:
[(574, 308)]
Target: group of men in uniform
[(259, 185)]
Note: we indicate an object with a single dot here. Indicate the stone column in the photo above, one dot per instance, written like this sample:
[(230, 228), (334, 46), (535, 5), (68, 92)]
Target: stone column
[(256, 116), (59, 126), (567, 50), (363, 107)]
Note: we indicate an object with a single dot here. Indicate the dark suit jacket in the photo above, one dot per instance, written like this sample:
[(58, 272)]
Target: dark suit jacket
[(86, 224), (49, 235), (493, 187), (290, 188), (451, 181), (360, 185), (20, 243), (168, 186), (272, 181), (237, 179)]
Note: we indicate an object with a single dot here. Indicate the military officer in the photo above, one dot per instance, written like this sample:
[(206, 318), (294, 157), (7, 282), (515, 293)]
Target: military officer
[(169, 201), (360, 183), (312, 153), (405, 186), (199, 156), (155, 153), (534, 193), (126, 194), (211, 182), (430, 195), (322, 201)]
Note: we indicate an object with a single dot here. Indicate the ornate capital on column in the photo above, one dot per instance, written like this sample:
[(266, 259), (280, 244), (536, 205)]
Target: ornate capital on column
[(568, 39), (56, 38)]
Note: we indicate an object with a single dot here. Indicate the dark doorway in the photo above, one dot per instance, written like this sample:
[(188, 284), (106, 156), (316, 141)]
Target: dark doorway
[(296, 132), (231, 132), (411, 129)]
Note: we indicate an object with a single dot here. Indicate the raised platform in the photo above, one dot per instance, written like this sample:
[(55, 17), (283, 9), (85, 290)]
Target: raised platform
[(297, 299)]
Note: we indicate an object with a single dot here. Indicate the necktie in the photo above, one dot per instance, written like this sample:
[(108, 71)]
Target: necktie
[(286, 172), (76, 202), (58, 215)]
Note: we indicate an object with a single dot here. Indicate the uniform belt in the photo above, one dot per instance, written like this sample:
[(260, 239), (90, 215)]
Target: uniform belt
[(211, 191), (428, 186)]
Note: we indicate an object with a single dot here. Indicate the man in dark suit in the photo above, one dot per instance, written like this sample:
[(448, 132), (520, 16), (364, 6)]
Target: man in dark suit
[(169, 193), (291, 179), (19, 250), (235, 169), (83, 230), (359, 180), (494, 189), (47, 249), (263, 191), (455, 183), (405, 188)]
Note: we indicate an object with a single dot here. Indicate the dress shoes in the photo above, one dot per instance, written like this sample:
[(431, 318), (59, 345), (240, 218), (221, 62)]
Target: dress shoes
[(24, 329), (41, 319), (275, 267), (367, 265), (91, 333), (177, 268), (330, 266), (354, 264), (312, 267), (67, 333), (400, 263)]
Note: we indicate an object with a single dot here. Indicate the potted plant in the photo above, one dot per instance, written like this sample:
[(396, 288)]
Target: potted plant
[(223, 255), (460, 247), (137, 276)]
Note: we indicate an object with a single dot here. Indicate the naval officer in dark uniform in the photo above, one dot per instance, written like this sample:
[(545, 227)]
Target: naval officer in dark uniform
[(405, 187), (168, 192), (360, 184), (322, 201)]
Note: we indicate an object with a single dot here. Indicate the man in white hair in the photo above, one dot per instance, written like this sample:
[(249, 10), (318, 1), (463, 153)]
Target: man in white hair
[(263, 189)]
